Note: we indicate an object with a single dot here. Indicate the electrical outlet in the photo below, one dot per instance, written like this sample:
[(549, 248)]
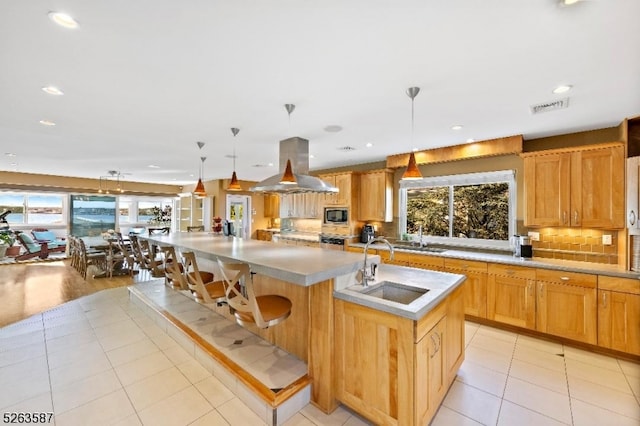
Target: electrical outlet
[(606, 240), (534, 236)]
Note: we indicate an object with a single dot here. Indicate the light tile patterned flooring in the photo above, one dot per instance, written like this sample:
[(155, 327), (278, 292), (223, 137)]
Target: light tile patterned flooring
[(101, 360)]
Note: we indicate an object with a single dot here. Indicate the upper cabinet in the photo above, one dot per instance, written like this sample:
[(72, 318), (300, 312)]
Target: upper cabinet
[(581, 187), (347, 184), (376, 202), (305, 206), (271, 205)]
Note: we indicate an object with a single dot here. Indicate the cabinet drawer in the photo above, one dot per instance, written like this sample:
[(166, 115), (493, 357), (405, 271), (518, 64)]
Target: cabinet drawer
[(567, 278), (512, 271), (622, 285), (465, 265)]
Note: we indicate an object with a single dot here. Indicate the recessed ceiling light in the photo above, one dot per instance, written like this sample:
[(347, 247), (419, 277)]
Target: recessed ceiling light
[(270, 164), (312, 156), (333, 128), (569, 2), (562, 89), (369, 145), (9, 154), (470, 140), (153, 166), (52, 90), (47, 123), (63, 20), (457, 127), (414, 149)]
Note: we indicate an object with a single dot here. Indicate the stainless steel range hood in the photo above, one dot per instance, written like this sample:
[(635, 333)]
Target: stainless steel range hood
[(297, 150)]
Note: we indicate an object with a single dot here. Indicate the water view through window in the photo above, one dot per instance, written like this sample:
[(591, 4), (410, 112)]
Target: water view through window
[(91, 215)]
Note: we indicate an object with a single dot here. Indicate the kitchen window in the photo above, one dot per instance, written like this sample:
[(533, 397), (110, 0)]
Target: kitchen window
[(476, 209)]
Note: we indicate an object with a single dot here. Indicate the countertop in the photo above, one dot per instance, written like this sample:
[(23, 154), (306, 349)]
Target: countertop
[(535, 262), (439, 284), (295, 264)]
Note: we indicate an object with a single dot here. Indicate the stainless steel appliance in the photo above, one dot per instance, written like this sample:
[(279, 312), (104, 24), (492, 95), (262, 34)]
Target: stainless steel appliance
[(331, 243), (522, 246), (227, 228), (368, 233), (336, 216)]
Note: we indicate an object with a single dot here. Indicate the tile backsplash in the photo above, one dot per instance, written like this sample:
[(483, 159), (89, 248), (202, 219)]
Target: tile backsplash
[(576, 244)]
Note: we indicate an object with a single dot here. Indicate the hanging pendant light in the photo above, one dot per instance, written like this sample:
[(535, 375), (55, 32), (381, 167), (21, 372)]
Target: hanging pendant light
[(288, 178), (234, 185), (412, 172), (199, 191)]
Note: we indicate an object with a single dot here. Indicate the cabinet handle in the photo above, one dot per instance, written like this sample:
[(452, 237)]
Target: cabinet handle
[(540, 290), (604, 300), (435, 350), (632, 217), (575, 217), (564, 217), (565, 278), (510, 272)]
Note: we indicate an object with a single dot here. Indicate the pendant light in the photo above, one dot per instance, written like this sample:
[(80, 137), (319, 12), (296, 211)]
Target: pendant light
[(288, 178), (412, 172), (199, 191), (234, 185)]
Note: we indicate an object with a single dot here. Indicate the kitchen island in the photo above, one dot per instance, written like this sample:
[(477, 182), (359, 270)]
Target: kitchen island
[(312, 278)]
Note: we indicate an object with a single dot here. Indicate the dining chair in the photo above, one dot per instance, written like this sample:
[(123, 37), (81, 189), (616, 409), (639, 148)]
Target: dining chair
[(262, 311), (203, 287)]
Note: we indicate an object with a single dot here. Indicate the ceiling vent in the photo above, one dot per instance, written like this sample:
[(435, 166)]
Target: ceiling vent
[(550, 106), (346, 148)]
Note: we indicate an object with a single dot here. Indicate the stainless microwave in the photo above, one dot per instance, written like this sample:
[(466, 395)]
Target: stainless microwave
[(336, 216)]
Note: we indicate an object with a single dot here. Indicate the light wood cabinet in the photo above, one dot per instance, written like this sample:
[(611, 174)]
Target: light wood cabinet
[(475, 287), (347, 184), (376, 202), (619, 314), (271, 205), (567, 305), (511, 295), (633, 198), (393, 370), (583, 187)]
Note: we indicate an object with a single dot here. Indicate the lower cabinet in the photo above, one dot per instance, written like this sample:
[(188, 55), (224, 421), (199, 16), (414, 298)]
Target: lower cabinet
[(475, 288), (393, 370), (619, 314), (511, 295), (567, 305)]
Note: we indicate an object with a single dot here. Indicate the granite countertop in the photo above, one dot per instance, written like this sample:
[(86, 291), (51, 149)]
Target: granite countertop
[(439, 284), (295, 264), (535, 262)]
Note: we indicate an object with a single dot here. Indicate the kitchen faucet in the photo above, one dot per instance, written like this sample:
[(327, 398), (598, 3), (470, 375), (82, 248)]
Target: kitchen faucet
[(369, 275)]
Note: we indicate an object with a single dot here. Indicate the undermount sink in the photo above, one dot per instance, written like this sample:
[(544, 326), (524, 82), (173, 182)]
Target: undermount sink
[(395, 292), (409, 246)]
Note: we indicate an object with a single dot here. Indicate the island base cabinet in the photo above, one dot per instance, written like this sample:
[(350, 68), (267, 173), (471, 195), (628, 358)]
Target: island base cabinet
[(567, 311), (393, 370), (618, 321)]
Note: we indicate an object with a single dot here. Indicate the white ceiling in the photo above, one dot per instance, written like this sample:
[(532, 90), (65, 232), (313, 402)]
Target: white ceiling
[(145, 79)]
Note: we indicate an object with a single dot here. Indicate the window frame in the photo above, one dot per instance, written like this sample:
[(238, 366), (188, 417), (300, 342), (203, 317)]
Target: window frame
[(479, 178)]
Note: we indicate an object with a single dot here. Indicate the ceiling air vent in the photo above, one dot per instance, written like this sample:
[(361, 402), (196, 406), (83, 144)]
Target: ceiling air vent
[(550, 106), (346, 148)]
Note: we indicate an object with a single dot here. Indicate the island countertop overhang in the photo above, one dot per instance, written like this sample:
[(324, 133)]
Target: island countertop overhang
[(303, 266)]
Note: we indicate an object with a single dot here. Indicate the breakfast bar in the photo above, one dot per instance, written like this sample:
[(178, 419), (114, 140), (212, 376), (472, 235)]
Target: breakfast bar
[(329, 306)]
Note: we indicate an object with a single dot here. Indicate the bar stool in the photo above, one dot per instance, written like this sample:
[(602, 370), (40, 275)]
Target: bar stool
[(263, 311), (201, 284), (173, 269)]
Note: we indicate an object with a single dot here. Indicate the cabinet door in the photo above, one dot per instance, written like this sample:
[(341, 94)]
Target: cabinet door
[(512, 300), (633, 202), (286, 205), (376, 202), (271, 205), (431, 364), (618, 321), (547, 191), (567, 311), (343, 183), (330, 199), (597, 188), (475, 287)]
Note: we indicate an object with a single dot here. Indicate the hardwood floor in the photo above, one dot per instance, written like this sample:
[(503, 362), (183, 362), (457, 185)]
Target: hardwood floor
[(30, 288)]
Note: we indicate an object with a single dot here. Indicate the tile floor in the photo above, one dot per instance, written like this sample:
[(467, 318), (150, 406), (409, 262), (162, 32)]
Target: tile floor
[(101, 360)]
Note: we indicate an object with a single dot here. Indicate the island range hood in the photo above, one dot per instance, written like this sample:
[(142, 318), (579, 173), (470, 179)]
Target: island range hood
[(296, 150)]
